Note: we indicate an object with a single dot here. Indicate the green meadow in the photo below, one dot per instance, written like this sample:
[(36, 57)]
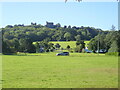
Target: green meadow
[(72, 44), (46, 70), (64, 44)]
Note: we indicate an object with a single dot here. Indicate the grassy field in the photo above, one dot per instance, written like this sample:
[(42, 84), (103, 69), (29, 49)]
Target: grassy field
[(71, 43), (50, 71), (65, 43)]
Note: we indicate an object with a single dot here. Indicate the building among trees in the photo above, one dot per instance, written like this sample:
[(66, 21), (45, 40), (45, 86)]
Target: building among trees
[(50, 25)]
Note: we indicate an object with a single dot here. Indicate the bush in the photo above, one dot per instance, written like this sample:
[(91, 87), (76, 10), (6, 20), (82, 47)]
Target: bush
[(112, 53), (62, 48), (71, 51)]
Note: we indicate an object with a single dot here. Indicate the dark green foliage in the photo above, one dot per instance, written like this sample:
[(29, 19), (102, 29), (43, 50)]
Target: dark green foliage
[(27, 46), (51, 47), (67, 36), (16, 44), (112, 53), (109, 42), (37, 46), (5, 48), (57, 45), (16, 37), (38, 32), (78, 38), (68, 47), (80, 45), (80, 42), (44, 46), (114, 47), (78, 49), (118, 42), (93, 45)]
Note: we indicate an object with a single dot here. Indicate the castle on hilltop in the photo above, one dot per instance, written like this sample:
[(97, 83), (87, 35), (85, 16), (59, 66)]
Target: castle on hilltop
[(51, 25)]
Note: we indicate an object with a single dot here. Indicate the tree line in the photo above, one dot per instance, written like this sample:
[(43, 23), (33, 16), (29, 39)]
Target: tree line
[(39, 32), (109, 42), (20, 38)]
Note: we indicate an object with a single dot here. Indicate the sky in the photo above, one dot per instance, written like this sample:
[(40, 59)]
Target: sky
[(57, 0), (93, 14)]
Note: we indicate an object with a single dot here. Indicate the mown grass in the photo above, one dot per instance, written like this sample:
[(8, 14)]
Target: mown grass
[(50, 71)]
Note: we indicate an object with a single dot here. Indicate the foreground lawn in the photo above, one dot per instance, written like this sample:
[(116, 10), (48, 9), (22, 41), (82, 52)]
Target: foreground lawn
[(50, 71)]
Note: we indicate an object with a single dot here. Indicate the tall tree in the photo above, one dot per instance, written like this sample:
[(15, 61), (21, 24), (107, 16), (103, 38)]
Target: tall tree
[(93, 45), (37, 47), (78, 38), (6, 48), (113, 28), (79, 46), (114, 47), (27, 46), (67, 35)]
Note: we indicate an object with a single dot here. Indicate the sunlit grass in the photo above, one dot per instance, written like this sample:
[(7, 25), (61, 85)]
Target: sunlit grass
[(46, 70), (64, 44)]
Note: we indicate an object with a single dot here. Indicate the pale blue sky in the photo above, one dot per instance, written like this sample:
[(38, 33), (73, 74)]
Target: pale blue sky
[(94, 14)]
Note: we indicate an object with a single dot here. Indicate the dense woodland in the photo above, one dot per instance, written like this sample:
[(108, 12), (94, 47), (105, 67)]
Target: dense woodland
[(109, 42), (39, 32), (20, 38)]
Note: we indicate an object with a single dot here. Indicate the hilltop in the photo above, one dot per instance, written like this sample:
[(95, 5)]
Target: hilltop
[(38, 32)]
